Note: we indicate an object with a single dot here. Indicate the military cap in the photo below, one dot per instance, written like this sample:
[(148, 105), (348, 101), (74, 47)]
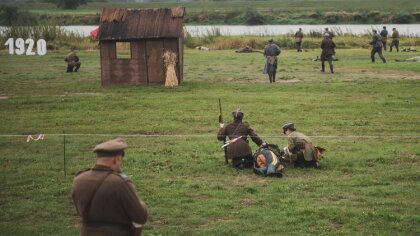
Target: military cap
[(270, 40), (113, 145), (287, 126), (374, 30)]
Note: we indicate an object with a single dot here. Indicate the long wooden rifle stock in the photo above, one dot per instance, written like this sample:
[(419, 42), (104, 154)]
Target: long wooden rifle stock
[(221, 122)]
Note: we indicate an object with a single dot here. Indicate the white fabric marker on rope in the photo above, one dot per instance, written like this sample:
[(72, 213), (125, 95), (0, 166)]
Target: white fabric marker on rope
[(30, 137)]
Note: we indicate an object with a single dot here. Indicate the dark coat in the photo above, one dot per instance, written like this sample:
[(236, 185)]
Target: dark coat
[(72, 59), (114, 206), (240, 148), (327, 46), (376, 41)]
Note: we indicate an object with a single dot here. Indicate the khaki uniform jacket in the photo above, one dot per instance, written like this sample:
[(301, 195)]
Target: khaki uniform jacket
[(395, 35), (299, 144), (240, 148), (114, 206)]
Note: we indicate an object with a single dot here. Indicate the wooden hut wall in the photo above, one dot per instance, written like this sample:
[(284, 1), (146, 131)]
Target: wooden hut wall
[(181, 57), (123, 71), (155, 67), (146, 65)]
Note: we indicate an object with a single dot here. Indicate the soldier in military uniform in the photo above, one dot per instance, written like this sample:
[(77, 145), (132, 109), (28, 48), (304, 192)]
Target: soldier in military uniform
[(271, 51), (395, 40), (239, 151), (376, 47), (328, 51), (72, 61), (299, 151), (384, 35), (298, 40), (105, 198)]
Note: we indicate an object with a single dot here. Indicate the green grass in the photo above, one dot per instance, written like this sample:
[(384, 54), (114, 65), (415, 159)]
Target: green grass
[(366, 186), (197, 6), (250, 12)]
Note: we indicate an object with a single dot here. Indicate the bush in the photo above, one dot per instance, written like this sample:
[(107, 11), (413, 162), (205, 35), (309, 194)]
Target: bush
[(253, 17), (403, 18)]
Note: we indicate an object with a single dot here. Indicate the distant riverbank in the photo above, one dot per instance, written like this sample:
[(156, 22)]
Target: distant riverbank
[(411, 30)]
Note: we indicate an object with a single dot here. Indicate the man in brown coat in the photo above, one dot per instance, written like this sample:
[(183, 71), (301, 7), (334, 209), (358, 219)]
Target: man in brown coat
[(105, 198), (328, 51), (239, 150), (298, 40), (299, 151)]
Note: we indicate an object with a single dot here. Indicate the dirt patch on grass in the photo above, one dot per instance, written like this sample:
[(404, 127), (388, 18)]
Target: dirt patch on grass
[(260, 81), (247, 202), (216, 221), (243, 180), (3, 97)]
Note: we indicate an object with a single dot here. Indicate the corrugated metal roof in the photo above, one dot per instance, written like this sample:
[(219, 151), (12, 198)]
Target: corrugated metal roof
[(126, 24)]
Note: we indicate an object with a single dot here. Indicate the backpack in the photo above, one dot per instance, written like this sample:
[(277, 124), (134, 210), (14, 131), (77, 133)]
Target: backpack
[(268, 161)]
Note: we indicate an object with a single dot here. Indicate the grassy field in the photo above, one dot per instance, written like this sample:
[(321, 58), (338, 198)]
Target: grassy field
[(366, 115), (267, 5)]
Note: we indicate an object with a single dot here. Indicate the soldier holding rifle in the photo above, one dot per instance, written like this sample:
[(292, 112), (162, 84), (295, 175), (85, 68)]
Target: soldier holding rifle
[(238, 149)]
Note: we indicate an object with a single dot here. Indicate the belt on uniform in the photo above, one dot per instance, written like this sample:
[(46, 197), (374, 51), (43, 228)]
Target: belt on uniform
[(121, 227)]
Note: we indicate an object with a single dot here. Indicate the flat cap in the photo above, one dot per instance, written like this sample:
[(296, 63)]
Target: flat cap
[(113, 145), (237, 113), (287, 126)]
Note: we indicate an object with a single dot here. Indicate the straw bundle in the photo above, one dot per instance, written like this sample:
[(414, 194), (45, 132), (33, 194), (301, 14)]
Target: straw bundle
[(169, 59)]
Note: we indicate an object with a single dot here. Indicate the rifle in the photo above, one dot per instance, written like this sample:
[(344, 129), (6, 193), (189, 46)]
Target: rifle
[(224, 140)]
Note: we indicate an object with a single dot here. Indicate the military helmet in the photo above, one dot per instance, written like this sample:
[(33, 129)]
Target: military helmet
[(270, 40), (288, 126)]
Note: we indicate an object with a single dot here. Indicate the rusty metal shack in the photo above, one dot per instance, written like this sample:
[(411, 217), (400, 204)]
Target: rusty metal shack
[(149, 32)]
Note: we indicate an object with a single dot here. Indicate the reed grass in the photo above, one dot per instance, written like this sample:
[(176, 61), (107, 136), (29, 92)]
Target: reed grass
[(57, 38)]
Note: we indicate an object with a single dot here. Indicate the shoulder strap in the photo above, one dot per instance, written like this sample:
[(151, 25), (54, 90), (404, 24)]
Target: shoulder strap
[(85, 213)]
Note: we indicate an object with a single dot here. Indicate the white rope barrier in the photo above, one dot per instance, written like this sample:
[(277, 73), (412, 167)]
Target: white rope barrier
[(214, 135)]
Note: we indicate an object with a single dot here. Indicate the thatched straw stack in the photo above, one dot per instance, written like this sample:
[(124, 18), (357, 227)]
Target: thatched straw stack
[(169, 59)]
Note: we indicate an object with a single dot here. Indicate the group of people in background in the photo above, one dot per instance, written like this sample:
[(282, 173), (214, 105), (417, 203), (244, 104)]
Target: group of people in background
[(379, 41)]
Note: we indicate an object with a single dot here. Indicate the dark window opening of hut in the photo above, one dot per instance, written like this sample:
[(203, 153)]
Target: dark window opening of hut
[(123, 50)]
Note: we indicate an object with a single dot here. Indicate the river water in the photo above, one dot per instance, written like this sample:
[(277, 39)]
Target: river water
[(269, 30)]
